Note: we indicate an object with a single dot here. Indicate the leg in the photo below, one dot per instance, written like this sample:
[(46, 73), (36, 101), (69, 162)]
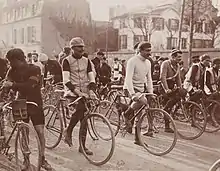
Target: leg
[(80, 109), (37, 118)]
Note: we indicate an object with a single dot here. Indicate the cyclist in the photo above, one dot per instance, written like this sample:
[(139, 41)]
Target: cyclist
[(170, 78), (97, 63), (3, 68), (25, 79), (66, 52), (51, 66), (138, 80), (211, 84), (194, 80), (79, 81)]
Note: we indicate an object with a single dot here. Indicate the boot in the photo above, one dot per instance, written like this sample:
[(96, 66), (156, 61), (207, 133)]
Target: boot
[(167, 126), (84, 133), (136, 139)]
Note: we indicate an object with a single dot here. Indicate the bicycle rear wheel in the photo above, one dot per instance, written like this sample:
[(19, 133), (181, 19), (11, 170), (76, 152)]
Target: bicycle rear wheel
[(191, 120), (212, 107), (27, 148), (101, 139), (53, 125), (160, 143), (110, 111)]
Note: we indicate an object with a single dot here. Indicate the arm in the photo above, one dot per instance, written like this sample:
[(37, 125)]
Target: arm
[(208, 81), (163, 76), (45, 75), (33, 81), (128, 77), (92, 85), (149, 80), (66, 75), (195, 69), (178, 80)]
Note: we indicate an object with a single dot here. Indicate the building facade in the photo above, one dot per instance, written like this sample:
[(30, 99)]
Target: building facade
[(27, 24), (160, 26)]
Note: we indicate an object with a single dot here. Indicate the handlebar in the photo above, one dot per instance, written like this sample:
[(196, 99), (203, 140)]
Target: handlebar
[(7, 105), (48, 78), (96, 100)]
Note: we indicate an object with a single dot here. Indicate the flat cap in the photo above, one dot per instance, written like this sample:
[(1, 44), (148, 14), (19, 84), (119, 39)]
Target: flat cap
[(76, 41)]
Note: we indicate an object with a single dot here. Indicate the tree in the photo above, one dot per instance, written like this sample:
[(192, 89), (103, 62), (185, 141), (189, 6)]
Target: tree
[(172, 26), (70, 22)]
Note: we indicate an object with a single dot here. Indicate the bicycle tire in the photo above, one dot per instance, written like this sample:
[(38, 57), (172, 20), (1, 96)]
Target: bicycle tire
[(145, 145), (215, 166), (34, 138), (214, 109), (194, 106), (53, 124), (82, 127)]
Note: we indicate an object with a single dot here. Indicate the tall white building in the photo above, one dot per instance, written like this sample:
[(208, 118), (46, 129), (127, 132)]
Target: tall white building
[(160, 26)]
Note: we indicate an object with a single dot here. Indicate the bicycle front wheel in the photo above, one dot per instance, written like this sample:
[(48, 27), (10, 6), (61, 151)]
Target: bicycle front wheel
[(191, 122), (27, 148), (154, 137), (101, 139), (53, 126)]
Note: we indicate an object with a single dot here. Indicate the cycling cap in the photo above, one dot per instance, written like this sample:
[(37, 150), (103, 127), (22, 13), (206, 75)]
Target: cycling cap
[(144, 45), (174, 51), (76, 41), (216, 61), (205, 57), (15, 53), (43, 57)]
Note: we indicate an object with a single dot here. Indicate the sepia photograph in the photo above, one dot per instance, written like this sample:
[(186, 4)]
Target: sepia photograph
[(109, 85)]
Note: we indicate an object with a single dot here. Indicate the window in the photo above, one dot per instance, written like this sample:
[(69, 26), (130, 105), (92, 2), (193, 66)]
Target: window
[(15, 36), (31, 34), (207, 44), (198, 27), (22, 36), (173, 24), (209, 28), (158, 23), (183, 43), (123, 23), (172, 42), (197, 43), (123, 42), (138, 38), (15, 14), (34, 10), (139, 22)]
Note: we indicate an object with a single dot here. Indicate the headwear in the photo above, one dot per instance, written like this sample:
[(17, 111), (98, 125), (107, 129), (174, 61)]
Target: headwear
[(205, 57), (34, 53), (195, 57), (174, 51), (144, 45), (161, 59), (15, 53), (43, 57), (100, 53), (216, 61), (76, 41)]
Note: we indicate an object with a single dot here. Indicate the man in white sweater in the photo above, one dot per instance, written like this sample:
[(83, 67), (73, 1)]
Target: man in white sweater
[(138, 80)]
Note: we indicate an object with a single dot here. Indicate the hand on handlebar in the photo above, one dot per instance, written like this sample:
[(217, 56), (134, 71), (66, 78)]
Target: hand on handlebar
[(168, 91), (7, 84)]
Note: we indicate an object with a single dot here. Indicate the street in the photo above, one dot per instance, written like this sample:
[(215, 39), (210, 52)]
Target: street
[(196, 155)]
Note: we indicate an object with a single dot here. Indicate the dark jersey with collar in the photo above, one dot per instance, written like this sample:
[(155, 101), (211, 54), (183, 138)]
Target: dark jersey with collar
[(27, 83)]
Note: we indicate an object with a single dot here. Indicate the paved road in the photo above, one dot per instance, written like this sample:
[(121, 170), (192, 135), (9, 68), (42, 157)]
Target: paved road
[(196, 155)]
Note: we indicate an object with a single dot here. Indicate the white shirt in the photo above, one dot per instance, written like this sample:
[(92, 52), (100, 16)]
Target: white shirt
[(138, 75)]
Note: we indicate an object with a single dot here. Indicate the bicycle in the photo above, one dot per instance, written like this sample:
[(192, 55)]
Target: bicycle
[(215, 166), (147, 117), (48, 95), (56, 121), (22, 139), (190, 118)]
